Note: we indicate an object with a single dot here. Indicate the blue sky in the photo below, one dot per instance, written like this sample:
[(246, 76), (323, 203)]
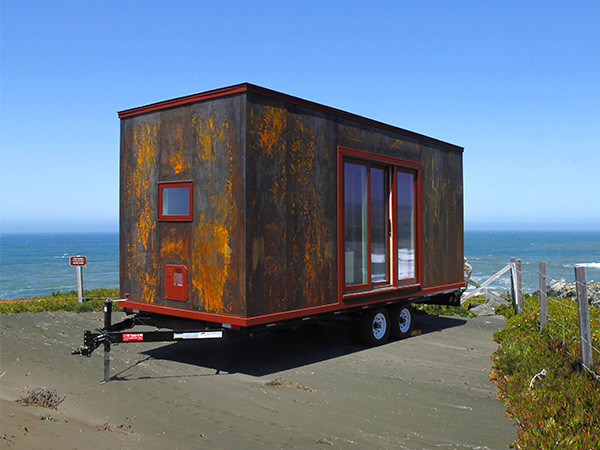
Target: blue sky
[(515, 83)]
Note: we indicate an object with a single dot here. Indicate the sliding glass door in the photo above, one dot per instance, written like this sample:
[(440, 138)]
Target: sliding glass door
[(379, 220), (366, 213)]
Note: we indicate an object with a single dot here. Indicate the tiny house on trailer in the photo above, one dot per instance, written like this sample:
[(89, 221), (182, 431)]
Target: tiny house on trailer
[(244, 208)]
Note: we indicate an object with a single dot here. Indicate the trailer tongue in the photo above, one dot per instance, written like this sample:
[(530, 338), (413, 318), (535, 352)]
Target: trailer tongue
[(114, 333)]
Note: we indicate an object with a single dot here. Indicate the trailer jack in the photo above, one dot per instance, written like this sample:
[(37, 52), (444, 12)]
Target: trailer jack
[(114, 334)]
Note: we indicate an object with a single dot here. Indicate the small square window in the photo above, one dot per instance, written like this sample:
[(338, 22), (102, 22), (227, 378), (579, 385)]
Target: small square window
[(175, 201)]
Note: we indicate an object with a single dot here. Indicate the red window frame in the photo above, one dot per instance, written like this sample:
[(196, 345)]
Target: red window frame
[(176, 217), (392, 165)]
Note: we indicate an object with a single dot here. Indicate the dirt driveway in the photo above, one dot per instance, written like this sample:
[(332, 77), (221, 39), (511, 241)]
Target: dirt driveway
[(427, 391)]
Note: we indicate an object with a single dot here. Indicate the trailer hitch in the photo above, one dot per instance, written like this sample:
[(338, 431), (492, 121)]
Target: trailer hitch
[(91, 341), (115, 334)]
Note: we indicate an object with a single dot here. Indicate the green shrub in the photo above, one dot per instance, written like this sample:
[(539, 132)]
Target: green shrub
[(442, 310), (60, 301), (561, 409)]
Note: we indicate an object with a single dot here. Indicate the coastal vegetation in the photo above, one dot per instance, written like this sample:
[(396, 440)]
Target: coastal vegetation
[(444, 310), (60, 301), (539, 376)]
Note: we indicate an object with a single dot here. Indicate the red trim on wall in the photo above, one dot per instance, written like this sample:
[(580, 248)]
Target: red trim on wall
[(340, 227), (394, 294), (172, 217), (182, 100), (376, 157), (419, 227), (247, 87)]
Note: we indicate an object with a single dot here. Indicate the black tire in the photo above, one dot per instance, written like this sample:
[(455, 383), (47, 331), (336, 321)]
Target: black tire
[(402, 320), (374, 327)]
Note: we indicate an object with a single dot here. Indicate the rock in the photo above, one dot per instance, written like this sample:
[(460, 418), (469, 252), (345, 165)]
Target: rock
[(494, 302), (593, 291), (484, 310), (467, 269), (562, 288)]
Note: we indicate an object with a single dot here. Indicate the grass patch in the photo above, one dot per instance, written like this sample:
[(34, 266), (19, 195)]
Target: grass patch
[(560, 409), (442, 310), (49, 418), (60, 301)]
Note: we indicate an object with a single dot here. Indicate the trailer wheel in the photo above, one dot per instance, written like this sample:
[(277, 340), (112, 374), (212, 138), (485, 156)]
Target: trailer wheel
[(374, 327), (402, 321)]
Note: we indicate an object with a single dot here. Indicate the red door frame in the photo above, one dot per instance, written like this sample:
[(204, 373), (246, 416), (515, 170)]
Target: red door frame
[(356, 292)]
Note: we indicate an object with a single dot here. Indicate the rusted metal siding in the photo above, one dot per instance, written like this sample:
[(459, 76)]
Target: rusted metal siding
[(139, 249), (263, 239), (291, 221), (442, 217), (203, 142)]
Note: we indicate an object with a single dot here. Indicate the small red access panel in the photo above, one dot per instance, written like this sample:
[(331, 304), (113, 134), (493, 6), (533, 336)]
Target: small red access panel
[(176, 282)]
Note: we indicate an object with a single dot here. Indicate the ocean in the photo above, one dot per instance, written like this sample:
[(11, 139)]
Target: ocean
[(38, 264)]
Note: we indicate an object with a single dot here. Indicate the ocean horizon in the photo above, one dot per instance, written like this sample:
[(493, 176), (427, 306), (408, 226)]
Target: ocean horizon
[(34, 264)]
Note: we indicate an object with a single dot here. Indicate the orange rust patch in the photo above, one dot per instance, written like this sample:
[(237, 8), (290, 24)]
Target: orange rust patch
[(212, 235), (211, 240), (271, 122), (177, 158), (142, 247), (174, 246), (208, 137), (310, 246)]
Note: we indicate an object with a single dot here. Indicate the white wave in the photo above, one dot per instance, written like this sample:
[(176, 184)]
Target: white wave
[(593, 265)]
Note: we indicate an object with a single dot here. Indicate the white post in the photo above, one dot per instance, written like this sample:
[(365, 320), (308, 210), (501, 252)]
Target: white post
[(543, 300), (79, 283), (513, 280), (519, 288), (585, 335)]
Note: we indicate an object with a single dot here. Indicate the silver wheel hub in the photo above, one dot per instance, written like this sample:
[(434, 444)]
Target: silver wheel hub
[(379, 326), (404, 320)]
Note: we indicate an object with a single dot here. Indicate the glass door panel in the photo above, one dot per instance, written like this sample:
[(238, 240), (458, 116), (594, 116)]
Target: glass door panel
[(405, 227), (379, 239), (355, 224)]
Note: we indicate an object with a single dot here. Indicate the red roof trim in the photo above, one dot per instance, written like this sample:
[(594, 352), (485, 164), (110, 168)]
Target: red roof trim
[(182, 100), (247, 87)]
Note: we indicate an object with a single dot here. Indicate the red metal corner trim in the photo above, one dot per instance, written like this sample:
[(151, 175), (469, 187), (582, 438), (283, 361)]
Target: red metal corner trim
[(183, 100), (217, 318), (377, 157)]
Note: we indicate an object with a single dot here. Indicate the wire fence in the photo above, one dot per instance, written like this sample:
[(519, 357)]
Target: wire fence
[(567, 315)]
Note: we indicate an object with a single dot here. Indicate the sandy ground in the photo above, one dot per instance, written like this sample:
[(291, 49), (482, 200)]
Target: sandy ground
[(427, 391)]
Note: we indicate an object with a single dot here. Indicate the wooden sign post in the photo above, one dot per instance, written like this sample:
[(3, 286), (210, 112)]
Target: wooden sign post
[(78, 262)]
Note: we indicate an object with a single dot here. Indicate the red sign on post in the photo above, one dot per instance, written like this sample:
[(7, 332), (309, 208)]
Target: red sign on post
[(77, 261)]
